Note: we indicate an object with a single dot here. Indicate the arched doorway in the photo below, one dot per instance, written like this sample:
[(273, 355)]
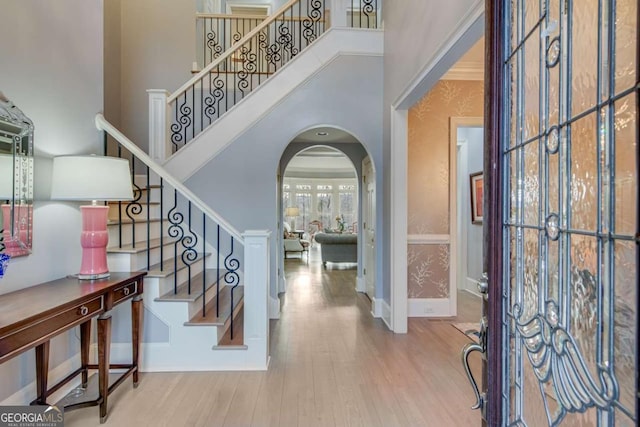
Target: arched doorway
[(320, 181)]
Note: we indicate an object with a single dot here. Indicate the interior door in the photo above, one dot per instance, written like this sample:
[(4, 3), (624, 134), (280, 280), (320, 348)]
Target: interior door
[(369, 228), (562, 213)]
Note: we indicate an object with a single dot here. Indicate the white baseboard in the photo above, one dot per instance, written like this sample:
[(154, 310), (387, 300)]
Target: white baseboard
[(376, 307), (274, 307), (471, 286), (282, 284), (429, 307), (386, 314), (360, 284), (26, 394)]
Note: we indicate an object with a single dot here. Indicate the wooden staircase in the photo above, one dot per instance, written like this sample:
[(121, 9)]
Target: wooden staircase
[(193, 287)]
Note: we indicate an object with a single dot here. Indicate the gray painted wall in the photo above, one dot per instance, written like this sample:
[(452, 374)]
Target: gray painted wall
[(52, 68), (157, 48), (412, 37), (241, 182), (474, 151)]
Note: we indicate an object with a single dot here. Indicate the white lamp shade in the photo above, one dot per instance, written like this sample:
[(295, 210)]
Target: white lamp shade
[(91, 178), (292, 211), (6, 177)]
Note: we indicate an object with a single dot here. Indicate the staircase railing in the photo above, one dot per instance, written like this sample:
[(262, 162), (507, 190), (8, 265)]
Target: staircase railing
[(363, 14), (175, 218), (239, 70), (218, 32)]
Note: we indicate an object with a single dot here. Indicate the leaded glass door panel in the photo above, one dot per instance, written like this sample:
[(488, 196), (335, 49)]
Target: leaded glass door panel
[(568, 178)]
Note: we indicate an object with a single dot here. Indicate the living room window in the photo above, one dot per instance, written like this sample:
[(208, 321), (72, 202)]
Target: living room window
[(321, 199)]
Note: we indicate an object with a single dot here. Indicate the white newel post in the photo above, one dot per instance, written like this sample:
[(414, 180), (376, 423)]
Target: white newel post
[(256, 297), (338, 13), (159, 144)]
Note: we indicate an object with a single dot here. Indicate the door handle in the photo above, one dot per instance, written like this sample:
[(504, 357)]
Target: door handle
[(466, 351), (483, 284), (480, 346)]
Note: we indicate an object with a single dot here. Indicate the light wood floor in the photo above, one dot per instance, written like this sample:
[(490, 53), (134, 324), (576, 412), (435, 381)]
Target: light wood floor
[(332, 365)]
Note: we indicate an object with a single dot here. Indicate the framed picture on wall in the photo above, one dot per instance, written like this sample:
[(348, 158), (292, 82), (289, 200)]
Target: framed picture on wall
[(476, 181)]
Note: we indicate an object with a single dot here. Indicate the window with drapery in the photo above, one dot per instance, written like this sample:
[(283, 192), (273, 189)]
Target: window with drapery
[(322, 199)]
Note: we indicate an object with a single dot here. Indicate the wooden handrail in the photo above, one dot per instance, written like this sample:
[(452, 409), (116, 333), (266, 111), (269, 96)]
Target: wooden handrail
[(104, 125)]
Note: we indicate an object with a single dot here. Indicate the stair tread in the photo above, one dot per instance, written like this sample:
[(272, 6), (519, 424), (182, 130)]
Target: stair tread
[(238, 333), (140, 246), (183, 295), (113, 221), (210, 318), (167, 266), (142, 202)]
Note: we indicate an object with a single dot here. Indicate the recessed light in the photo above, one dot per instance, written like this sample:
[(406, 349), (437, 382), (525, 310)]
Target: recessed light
[(322, 133)]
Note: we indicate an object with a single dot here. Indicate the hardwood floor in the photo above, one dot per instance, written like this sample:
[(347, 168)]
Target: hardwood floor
[(332, 365)]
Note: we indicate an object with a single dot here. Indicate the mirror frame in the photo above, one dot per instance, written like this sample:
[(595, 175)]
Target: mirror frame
[(17, 212)]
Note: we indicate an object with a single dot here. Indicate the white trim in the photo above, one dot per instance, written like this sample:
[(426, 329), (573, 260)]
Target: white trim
[(282, 281), (466, 71), (460, 40), (386, 313), (376, 307), (274, 307), (471, 286), (430, 307), (26, 394), (398, 218), (428, 239), (361, 286), (454, 124)]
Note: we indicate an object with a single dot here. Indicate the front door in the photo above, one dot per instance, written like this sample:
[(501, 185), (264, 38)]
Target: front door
[(562, 213)]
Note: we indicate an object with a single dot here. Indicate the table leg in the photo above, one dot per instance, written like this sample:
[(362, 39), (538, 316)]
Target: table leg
[(136, 332), (42, 372), (85, 341), (104, 349)]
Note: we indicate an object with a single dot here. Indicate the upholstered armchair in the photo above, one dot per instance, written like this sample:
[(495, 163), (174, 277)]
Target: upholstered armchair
[(293, 243)]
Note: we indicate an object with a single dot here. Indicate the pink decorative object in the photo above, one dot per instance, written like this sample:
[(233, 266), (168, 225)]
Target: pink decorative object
[(94, 239), (92, 178)]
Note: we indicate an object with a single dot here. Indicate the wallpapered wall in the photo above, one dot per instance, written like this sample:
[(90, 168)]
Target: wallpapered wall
[(428, 176)]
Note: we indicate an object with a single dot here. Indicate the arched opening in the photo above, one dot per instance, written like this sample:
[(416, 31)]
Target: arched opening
[(321, 197)]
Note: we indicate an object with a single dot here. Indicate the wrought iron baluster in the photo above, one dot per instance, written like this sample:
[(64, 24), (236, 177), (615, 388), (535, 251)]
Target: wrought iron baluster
[(148, 220), (189, 242), (231, 277), (161, 224), (134, 207), (175, 231), (204, 269), (218, 272)]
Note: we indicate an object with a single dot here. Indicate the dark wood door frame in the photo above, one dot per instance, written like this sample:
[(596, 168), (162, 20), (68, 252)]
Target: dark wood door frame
[(493, 230)]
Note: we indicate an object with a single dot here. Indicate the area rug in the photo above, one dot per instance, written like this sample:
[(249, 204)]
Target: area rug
[(465, 327)]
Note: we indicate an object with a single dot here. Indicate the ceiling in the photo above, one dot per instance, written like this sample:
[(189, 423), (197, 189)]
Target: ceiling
[(320, 162), (470, 66), (332, 135)]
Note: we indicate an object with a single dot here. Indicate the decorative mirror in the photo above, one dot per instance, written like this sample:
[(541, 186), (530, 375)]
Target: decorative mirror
[(16, 180)]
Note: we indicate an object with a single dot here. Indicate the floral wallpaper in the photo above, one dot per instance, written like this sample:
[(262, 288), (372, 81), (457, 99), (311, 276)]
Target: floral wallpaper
[(428, 179)]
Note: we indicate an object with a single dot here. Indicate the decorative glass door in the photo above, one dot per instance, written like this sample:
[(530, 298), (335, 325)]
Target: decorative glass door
[(567, 283)]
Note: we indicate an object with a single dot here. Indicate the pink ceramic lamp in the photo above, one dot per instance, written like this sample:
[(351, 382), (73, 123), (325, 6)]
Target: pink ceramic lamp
[(92, 178)]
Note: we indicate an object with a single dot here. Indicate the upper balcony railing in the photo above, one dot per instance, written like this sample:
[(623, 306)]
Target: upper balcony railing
[(217, 32), (249, 61)]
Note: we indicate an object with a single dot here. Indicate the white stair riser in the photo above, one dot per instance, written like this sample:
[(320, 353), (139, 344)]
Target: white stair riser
[(140, 232)]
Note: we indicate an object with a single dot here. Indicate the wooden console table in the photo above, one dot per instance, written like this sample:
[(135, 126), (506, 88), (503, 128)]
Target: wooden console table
[(31, 317)]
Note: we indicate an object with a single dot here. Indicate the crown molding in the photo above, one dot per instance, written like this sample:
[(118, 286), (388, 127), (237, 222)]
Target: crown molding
[(465, 71)]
